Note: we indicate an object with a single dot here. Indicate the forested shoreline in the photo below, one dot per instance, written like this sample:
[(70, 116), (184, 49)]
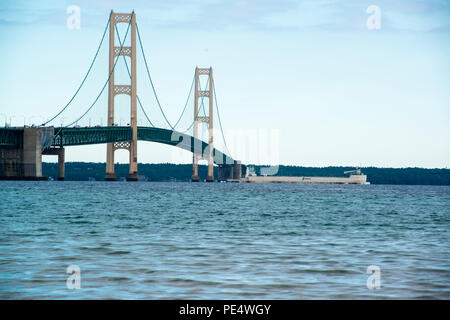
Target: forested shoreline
[(85, 171)]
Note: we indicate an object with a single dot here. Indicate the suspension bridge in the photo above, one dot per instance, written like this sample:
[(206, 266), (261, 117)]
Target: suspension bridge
[(21, 148)]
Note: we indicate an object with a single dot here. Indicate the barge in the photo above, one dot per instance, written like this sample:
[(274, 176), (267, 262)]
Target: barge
[(356, 177)]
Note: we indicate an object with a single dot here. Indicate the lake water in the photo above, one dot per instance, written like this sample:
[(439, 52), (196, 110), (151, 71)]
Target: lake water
[(150, 240)]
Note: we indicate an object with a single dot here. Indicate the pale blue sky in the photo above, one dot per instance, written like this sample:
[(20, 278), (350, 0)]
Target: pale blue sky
[(310, 71)]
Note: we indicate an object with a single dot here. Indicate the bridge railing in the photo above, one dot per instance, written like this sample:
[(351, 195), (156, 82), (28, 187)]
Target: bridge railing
[(91, 135), (11, 137)]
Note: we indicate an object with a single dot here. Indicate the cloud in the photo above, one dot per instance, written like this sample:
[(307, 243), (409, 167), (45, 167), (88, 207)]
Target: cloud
[(350, 15), (264, 15)]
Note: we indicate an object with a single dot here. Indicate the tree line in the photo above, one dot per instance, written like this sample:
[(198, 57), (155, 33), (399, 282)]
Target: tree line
[(85, 171)]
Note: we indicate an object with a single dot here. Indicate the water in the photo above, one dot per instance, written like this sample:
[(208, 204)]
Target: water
[(223, 241)]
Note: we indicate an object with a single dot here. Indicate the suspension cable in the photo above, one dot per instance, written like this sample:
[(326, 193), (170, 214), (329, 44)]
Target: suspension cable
[(129, 73), (150, 78), (187, 101), (85, 77), (201, 105), (145, 113), (101, 91), (109, 77), (220, 122)]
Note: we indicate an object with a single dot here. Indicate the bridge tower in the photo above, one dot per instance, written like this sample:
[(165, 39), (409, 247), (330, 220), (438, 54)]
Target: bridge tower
[(198, 153), (114, 89)]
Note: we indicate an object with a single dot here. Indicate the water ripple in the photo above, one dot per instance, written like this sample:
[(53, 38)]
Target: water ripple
[(224, 241)]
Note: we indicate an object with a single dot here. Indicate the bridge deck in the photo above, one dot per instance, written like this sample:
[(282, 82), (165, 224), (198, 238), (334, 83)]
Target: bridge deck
[(65, 137)]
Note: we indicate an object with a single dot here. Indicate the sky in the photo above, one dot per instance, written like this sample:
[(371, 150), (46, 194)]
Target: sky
[(310, 83)]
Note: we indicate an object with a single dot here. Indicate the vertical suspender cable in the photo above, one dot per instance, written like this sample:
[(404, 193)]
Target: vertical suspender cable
[(150, 78), (220, 122)]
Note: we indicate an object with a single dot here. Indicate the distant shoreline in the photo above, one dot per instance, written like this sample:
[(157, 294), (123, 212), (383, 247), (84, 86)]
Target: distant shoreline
[(90, 171)]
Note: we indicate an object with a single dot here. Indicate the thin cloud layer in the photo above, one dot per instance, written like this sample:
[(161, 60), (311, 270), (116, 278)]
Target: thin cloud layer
[(328, 15)]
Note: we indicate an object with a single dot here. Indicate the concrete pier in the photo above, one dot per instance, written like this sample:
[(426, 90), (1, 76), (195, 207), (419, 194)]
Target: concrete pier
[(11, 163), (60, 152), (32, 152), (230, 172), (224, 173), (24, 160), (110, 177), (132, 176)]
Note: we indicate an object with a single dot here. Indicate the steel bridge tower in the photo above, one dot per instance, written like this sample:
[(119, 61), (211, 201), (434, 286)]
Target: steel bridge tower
[(198, 153), (114, 90)]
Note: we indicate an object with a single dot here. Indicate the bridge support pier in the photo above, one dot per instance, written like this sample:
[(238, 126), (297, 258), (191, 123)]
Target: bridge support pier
[(110, 177), (24, 160), (60, 152), (110, 174), (32, 152), (224, 172), (132, 176), (195, 178), (231, 172), (61, 165)]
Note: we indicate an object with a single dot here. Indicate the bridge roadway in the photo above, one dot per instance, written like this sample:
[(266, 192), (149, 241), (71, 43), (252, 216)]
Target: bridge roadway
[(76, 136), (55, 138)]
